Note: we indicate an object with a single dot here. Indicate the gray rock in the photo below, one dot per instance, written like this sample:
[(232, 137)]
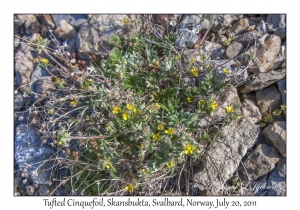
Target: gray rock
[(258, 187), (275, 22), (281, 166), (248, 39), (258, 19), (280, 58), (234, 49), (41, 82), (226, 97), (17, 180), (76, 20), (281, 32), (19, 101), (239, 27), (259, 163), (65, 31), (282, 87), (19, 21), (24, 65), (88, 38), (276, 184), (30, 190), (44, 190), (16, 42), (31, 154), (223, 21), (266, 52), (276, 134), (47, 20), (263, 80), (32, 25), (262, 28), (58, 18), (268, 99), (214, 50), (62, 192), (223, 156), (250, 110)]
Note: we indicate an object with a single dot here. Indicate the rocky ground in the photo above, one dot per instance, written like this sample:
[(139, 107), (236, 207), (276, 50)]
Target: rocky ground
[(253, 148)]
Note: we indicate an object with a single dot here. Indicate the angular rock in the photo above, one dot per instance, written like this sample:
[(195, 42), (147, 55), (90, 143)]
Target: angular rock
[(280, 58), (32, 25), (44, 190), (262, 28), (30, 190), (222, 21), (239, 27), (282, 89), (47, 20), (24, 65), (263, 80), (259, 163), (248, 39), (19, 21), (277, 24), (88, 38), (281, 32), (65, 31), (41, 82), (266, 52), (214, 50), (226, 97), (276, 184), (19, 101), (276, 134), (224, 154), (250, 110), (32, 155), (268, 99), (234, 49), (186, 37), (76, 20)]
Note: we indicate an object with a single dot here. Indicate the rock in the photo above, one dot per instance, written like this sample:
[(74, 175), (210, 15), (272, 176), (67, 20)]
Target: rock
[(62, 192), (282, 89), (239, 27), (234, 49), (41, 82), (222, 21), (76, 20), (214, 50), (226, 97), (24, 65), (251, 111), (19, 101), (248, 39), (276, 134), (44, 190), (258, 19), (221, 39), (17, 179), (32, 25), (281, 32), (186, 36), (88, 38), (263, 80), (276, 184), (281, 166), (259, 187), (276, 23), (65, 31), (223, 156), (30, 153), (19, 21), (259, 163), (268, 99), (280, 59), (47, 20), (262, 28), (266, 52), (30, 190)]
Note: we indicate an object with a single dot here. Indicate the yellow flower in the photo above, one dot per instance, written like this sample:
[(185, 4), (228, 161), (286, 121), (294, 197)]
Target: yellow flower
[(156, 137), (193, 60), (129, 188), (239, 117), (194, 71), (189, 149), (73, 103), (135, 111), (116, 110), (189, 99), (170, 164), (142, 146), (60, 143), (214, 105), (170, 131), (44, 61), (177, 57), (225, 71), (39, 38), (202, 103), (125, 21), (57, 80), (35, 60), (160, 126), (145, 170), (51, 111), (157, 106), (203, 57), (283, 107), (125, 116), (122, 75), (130, 106), (229, 109), (108, 166), (90, 81)]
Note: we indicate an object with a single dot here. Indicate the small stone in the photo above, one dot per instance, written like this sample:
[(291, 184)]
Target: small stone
[(276, 184), (234, 49), (248, 39), (44, 190), (239, 27), (47, 20), (30, 190), (282, 89), (65, 31), (268, 99), (32, 25), (276, 133), (250, 110)]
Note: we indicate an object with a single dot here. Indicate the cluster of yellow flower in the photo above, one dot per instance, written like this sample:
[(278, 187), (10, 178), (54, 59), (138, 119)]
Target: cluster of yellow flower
[(194, 71), (125, 114)]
